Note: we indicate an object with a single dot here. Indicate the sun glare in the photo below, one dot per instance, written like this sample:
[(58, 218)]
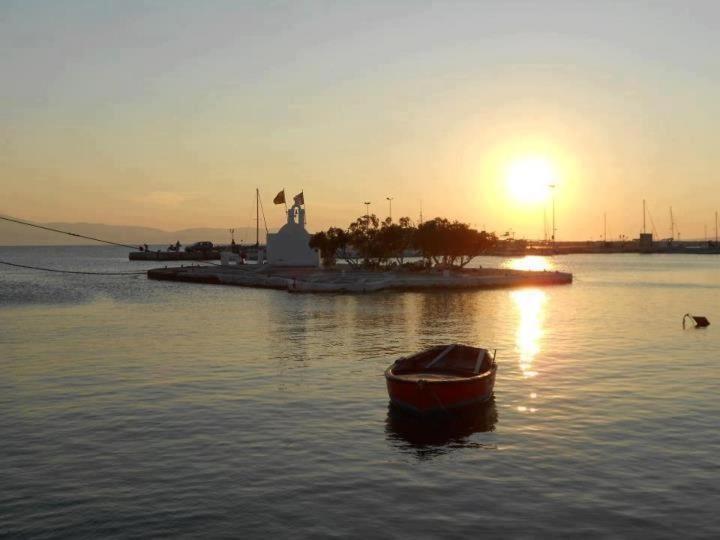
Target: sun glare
[(531, 307), (529, 262), (529, 179)]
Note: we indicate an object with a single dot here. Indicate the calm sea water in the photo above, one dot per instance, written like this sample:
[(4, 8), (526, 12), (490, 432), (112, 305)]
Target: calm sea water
[(131, 408)]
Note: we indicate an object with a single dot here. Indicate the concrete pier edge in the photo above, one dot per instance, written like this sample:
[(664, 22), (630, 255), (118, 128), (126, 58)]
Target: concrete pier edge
[(315, 280)]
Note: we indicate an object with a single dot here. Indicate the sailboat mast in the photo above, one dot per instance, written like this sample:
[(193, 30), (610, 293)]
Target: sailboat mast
[(257, 217), (605, 227), (672, 225), (644, 231)]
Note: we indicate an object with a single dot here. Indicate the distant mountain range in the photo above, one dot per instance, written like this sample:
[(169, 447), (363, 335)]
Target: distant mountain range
[(14, 234)]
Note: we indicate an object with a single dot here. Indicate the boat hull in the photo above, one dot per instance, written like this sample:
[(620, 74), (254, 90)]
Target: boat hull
[(425, 396)]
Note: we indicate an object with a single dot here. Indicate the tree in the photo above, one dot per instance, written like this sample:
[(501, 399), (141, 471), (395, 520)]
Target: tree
[(448, 244), (395, 238), (372, 243), (363, 236), (330, 243)]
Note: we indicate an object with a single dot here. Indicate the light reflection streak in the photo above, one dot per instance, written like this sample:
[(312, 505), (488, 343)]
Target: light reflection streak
[(535, 263), (530, 303)]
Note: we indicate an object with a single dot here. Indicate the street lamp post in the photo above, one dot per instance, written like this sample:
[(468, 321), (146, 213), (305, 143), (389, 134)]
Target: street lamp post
[(554, 230), (390, 200)]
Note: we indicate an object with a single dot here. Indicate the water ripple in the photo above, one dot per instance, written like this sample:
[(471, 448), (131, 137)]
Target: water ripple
[(134, 409)]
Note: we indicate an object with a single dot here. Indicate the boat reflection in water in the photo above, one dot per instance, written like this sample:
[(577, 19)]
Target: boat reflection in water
[(427, 436)]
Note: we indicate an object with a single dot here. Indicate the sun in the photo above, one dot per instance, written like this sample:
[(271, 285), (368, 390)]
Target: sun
[(529, 179)]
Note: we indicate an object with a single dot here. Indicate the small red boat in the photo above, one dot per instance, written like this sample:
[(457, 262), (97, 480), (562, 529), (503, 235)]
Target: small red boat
[(441, 378)]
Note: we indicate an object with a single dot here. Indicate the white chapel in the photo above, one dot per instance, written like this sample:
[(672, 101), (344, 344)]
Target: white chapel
[(290, 245)]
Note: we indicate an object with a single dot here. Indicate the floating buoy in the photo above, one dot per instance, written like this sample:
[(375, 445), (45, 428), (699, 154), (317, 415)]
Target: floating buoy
[(699, 320)]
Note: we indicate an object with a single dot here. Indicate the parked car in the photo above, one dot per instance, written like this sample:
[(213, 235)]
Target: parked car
[(199, 246)]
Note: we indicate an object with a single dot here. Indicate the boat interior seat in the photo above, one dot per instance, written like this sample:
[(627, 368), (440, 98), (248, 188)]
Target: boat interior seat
[(451, 360), (481, 362)]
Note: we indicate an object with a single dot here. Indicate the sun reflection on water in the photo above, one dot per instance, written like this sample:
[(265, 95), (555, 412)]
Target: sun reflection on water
[(530, 262), (530, 303)]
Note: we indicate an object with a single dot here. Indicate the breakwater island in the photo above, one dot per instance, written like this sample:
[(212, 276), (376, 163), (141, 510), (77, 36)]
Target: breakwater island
[(314, 280), (373, 252)]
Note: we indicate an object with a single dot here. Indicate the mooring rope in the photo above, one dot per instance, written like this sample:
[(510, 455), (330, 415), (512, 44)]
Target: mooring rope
[(87, 238), (68, 233), (73, 271)]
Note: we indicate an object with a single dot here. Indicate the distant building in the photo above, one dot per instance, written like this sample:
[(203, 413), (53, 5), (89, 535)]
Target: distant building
[(290, 245), (646, 241)]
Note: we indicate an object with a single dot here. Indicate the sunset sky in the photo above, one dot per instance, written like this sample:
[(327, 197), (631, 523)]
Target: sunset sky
[(169, 114)]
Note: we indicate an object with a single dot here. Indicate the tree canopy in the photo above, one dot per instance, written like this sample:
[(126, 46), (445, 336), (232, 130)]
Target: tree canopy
[(451, 243), (372, 243)]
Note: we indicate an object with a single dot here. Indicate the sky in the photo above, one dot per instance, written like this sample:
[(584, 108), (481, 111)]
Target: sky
[(170, 114)]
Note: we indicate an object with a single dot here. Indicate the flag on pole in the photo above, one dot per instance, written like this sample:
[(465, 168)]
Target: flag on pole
[(279, 198), (299, 198)]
